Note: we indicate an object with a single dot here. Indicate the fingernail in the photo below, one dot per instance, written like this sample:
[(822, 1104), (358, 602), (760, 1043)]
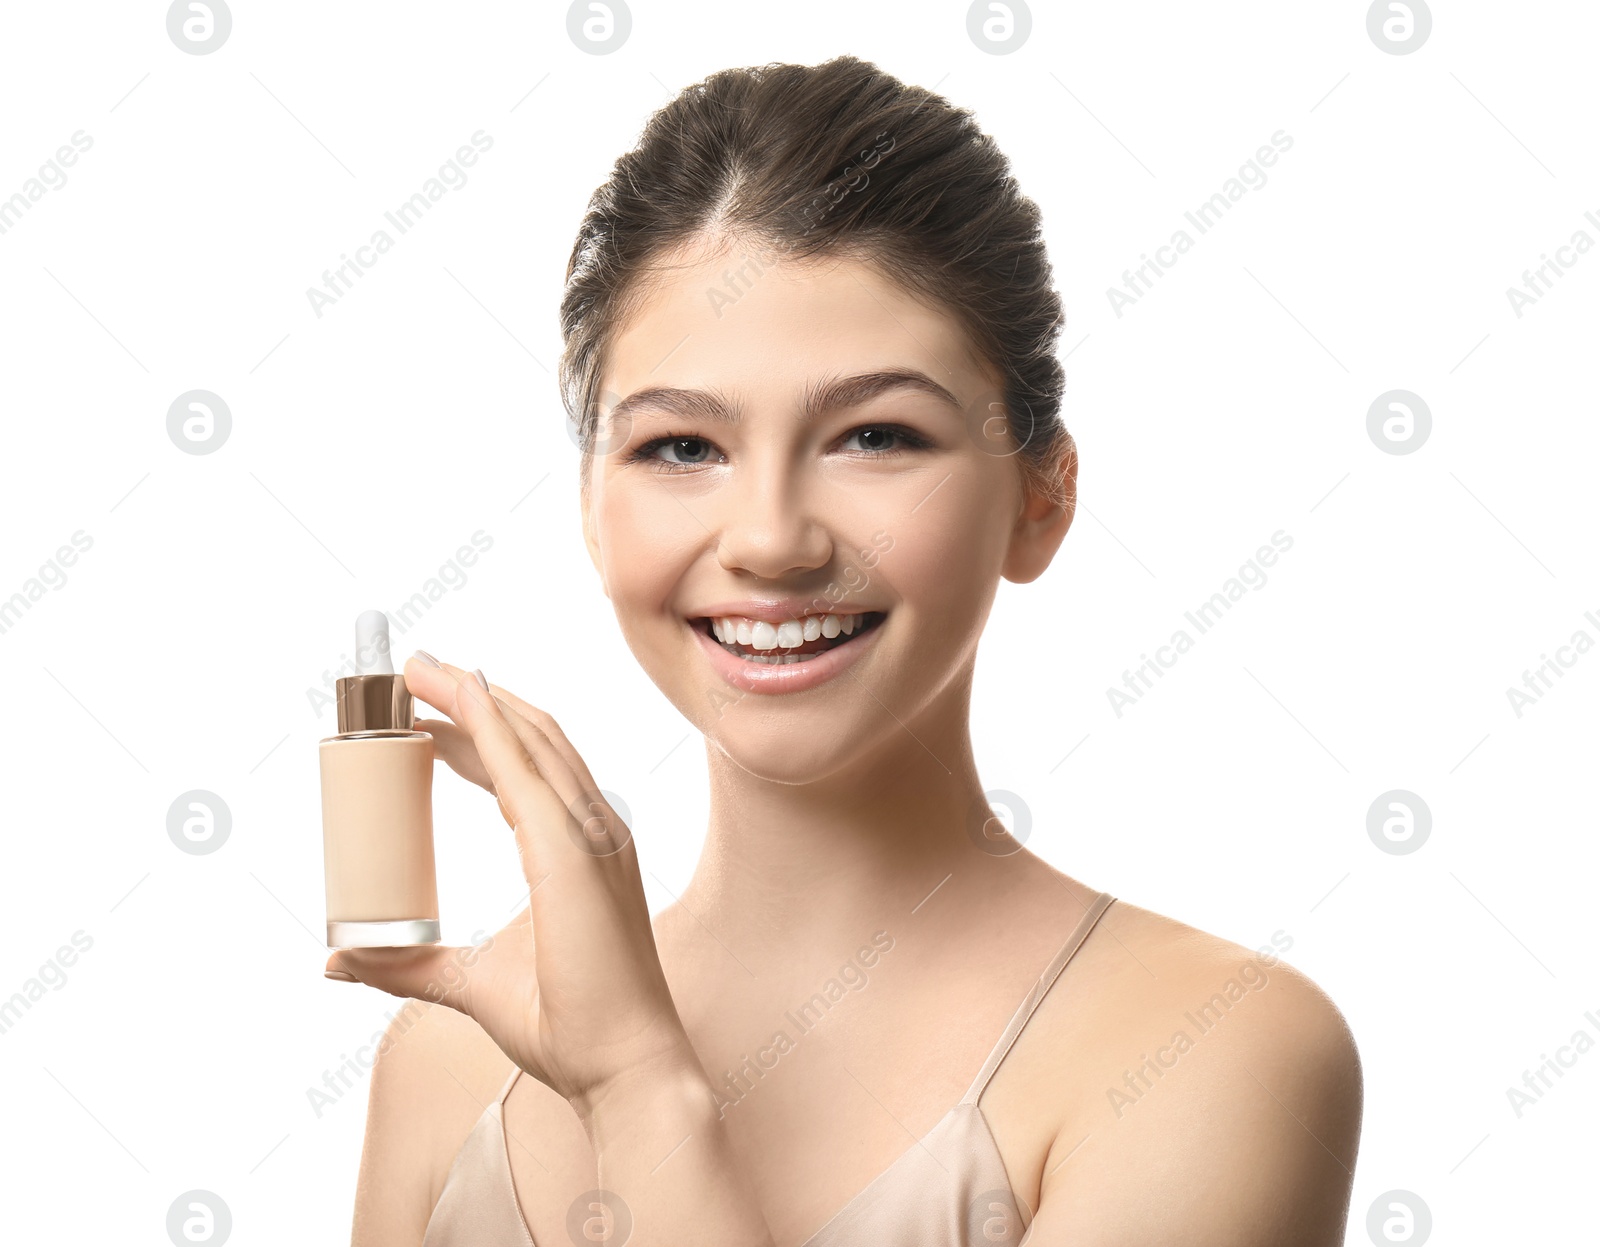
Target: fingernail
[(340, 975), (482, 683), (422, 655)]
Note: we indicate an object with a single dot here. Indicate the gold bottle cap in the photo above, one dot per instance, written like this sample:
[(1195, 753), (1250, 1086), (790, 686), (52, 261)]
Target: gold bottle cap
[(373, 703)]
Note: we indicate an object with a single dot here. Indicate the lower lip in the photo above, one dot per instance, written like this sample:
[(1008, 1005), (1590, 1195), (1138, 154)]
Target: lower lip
[(793, 677)]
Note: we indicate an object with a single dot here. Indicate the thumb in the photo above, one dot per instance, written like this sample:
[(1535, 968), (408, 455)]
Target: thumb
[(436, 973)]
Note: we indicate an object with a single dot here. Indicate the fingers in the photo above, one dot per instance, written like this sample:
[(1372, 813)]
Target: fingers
[(440, 686), (435, 973), (595, 825), (520, 754), (553, 764), (519, 760), (535, 810), (455, 747), (431, 684), (546, 724)]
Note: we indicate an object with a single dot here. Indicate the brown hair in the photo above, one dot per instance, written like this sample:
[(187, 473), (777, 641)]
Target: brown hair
[(836, 159)]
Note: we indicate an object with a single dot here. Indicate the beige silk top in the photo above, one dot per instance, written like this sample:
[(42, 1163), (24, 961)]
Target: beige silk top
[(949, 1189)]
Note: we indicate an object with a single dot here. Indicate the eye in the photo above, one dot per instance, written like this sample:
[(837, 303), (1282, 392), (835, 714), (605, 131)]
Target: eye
[(695, 451), (880, 439), (685, 452)]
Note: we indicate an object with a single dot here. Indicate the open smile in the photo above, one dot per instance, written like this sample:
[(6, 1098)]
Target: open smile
[(787, 657)]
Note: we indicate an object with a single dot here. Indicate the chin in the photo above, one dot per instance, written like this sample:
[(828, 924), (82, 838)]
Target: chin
[(779, 754)]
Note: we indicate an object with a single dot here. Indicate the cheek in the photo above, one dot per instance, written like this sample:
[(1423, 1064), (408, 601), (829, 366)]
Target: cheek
[(943, 564), (645, 537)]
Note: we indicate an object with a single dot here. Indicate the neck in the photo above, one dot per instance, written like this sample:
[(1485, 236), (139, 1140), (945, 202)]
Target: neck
[(830, 861)]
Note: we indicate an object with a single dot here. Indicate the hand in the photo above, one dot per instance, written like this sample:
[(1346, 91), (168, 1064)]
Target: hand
[(572, 988)]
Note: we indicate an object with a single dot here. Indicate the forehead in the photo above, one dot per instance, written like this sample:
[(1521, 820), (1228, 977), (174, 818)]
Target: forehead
[(752, 322)]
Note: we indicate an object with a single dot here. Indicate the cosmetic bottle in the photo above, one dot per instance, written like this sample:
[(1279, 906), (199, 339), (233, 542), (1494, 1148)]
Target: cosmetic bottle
[(377, 807)]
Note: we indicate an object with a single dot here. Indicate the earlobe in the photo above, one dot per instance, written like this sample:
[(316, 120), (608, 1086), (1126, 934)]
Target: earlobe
[(1037, 536), (1042, 525)]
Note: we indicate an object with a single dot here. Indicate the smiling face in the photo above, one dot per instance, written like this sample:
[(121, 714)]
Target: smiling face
[(809, 441)]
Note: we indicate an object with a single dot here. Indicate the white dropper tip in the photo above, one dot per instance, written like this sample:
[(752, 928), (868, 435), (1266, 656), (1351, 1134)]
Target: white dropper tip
[(372, 644)]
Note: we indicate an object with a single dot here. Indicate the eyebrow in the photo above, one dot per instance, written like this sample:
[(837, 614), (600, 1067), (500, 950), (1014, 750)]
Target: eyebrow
[(819, 397)]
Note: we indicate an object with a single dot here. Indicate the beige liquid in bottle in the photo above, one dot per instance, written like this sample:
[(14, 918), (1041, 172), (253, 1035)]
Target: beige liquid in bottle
[(377, 808)]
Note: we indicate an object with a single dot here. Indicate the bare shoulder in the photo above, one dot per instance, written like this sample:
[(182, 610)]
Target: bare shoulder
[(1214, 1086), (1180, 964), (435, 1071)]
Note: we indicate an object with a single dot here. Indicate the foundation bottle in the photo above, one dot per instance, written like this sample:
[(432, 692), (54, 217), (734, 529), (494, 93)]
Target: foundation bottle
[(377, 807)]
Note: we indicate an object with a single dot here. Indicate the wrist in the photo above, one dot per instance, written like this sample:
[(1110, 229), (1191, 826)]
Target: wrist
[(667, 1094)]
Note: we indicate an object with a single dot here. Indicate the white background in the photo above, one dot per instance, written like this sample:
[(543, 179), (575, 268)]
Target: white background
[(370, 443)]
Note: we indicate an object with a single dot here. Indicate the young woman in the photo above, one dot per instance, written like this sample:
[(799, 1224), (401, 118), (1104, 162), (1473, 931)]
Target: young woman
[(810, 350)]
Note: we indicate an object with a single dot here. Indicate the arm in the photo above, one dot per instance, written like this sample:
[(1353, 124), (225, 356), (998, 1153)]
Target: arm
[(394, 1188), (435, 1069)]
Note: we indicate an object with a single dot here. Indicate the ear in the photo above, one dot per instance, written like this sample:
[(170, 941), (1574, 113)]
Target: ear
[(1042, 524)]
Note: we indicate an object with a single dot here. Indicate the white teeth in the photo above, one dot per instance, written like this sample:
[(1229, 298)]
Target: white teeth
[(790, 634)]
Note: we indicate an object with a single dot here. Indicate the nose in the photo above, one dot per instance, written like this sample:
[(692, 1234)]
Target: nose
[(768, 525)]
